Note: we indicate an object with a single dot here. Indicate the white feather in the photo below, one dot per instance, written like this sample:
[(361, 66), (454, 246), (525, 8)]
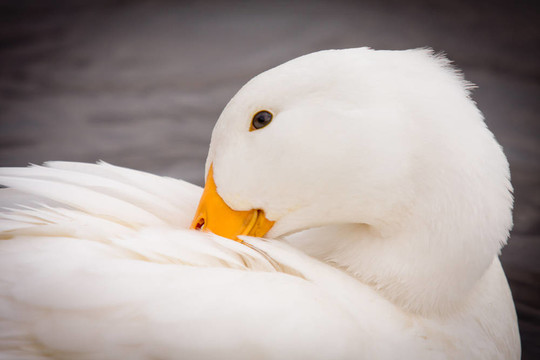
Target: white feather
[(380, 157)]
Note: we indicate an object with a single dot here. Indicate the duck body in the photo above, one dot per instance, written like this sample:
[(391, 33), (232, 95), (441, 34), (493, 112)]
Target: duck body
[(79, 283), (101, 265)]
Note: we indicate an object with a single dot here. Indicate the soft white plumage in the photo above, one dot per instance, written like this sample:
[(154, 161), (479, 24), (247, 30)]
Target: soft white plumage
[(391, 200)]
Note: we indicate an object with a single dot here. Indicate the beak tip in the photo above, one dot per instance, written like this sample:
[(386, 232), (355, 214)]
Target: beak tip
[(227, 222), (198, 223)]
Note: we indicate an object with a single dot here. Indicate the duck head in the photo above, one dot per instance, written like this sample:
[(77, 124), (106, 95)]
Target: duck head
[(381, 156)]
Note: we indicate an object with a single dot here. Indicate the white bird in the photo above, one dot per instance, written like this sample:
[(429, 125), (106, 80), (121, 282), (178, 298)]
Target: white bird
[(384, 202)]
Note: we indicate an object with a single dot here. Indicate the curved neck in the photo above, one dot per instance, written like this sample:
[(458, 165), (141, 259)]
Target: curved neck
[(427, 261)]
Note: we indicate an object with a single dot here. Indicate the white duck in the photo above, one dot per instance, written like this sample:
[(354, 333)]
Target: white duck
[(386, 198)]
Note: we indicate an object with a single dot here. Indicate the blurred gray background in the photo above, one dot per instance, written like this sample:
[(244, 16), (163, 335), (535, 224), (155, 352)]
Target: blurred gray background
[(141, 83)]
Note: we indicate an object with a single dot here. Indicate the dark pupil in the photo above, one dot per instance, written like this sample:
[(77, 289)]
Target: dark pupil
[(261, 119)]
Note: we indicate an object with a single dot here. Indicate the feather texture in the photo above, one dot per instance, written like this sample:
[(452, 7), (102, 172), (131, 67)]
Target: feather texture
[(391, 201), (75, 283)]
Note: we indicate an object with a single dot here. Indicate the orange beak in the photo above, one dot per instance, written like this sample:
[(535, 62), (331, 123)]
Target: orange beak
[(214, 215)]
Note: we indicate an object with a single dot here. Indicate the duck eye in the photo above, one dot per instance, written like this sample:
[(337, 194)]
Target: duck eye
[(260, 120)]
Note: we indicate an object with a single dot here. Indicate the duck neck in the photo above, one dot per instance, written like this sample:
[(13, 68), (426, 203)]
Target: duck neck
[(429, 260)]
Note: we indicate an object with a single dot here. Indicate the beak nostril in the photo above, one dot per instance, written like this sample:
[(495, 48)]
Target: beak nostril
[(200, 224)]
